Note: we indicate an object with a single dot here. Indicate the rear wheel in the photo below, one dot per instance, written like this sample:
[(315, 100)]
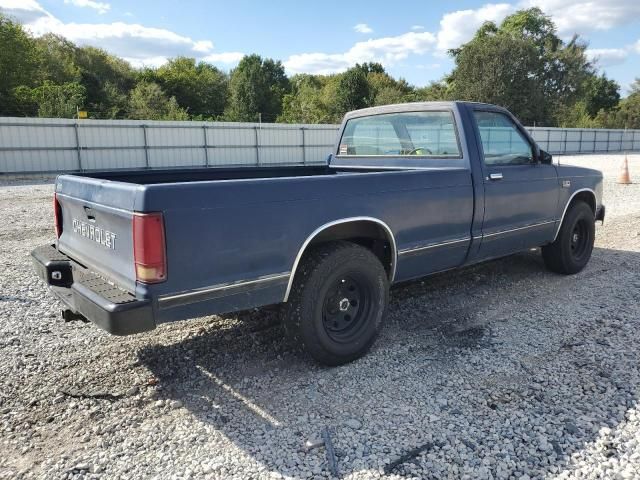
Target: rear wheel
[(337, 302), (571, 250)]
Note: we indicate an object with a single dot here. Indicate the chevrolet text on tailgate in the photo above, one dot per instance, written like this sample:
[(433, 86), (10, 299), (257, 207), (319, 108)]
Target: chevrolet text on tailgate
[(409, 190)]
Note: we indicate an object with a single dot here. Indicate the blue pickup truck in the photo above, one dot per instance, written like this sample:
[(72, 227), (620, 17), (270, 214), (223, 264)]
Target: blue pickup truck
[(409, 190)]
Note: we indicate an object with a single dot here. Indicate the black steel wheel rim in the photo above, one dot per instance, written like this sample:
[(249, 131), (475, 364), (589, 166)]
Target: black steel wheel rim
[(579, 240), (346, 307)]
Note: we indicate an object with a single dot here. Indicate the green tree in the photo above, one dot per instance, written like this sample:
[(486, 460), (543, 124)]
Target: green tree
[(600, 93), (575, 116), (627, 115), (496, 67), (199, 87), (256, 86), (58, 59), (565, 66), (107, 80), (371, 67), (533, 25), (19, 60), (52, 101), (435, 91), (353, 91), (567, 71), (147, 101), (305, 103), (385, 90), (522, 65)]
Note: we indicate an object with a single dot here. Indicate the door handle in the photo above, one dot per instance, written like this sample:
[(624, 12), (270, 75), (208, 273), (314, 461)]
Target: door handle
[(495, 176)]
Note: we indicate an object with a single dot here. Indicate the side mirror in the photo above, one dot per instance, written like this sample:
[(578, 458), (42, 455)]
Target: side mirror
[(545, 158)]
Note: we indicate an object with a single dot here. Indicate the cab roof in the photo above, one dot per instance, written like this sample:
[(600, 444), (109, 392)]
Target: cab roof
[(414, 106)]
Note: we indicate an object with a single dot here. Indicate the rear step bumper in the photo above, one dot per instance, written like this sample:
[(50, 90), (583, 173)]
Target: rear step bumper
[(110, 308)]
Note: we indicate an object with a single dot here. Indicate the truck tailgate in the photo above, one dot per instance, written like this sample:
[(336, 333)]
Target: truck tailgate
[(97, 226)]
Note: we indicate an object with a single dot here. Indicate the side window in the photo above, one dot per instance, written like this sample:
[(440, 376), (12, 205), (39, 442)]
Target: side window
[(426, 134), (502, 142)]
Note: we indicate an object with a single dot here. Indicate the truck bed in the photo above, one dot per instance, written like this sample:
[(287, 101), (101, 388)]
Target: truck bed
[(225, 226), (185, 175)]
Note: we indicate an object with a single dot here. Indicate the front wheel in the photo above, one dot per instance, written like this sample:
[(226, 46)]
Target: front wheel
[(571, 250), (337, 302)]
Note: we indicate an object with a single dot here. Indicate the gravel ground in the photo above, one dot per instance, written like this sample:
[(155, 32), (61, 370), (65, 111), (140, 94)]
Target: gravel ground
[(502, 370)]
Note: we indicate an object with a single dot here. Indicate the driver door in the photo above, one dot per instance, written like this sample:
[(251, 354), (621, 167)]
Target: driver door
[(520, 194)]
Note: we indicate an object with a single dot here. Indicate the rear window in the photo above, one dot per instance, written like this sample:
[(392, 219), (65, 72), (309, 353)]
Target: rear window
[(422, 134)]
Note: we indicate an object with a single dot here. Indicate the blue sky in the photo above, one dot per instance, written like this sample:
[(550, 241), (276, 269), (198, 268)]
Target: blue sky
[(410, 37)]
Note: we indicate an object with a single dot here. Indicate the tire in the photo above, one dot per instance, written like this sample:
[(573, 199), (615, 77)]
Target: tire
[(337, 302), (571, 250)]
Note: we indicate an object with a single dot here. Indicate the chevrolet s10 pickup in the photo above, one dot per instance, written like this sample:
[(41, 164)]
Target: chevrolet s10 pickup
[(409, 190)]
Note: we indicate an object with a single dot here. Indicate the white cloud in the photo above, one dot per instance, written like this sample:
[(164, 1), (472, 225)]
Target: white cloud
[(138, 44), (224, 57), (636, 46), (386, 50), (459, 27), (24, 11), (99, 7), (606, 57), (202, 46), (363, 28), (391, 49), (130, 40), (317, 63), (417, 27), (579, 16)]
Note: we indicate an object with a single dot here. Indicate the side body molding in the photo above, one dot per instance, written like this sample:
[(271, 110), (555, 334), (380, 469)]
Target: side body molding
[(566, 207), (387, 229)]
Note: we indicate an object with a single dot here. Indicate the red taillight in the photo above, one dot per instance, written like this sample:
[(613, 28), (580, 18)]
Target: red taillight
[(57, 215), (149, 252)]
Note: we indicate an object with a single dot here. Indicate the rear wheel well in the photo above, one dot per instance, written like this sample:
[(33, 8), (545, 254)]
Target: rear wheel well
[(371, 235)]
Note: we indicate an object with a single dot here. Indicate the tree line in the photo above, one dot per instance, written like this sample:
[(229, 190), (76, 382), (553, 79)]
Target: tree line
[(520, 64)]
